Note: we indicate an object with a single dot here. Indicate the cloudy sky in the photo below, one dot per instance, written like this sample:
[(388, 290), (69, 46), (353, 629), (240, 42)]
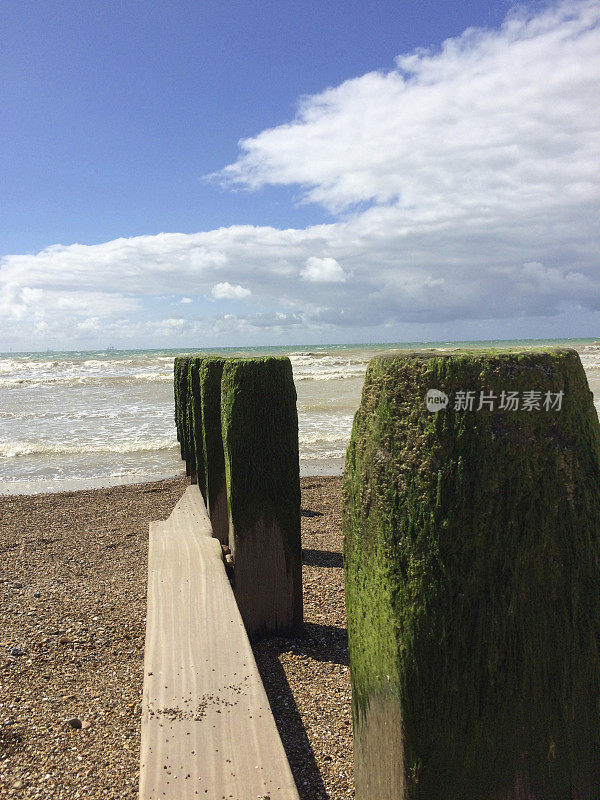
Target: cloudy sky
[(184, 174)]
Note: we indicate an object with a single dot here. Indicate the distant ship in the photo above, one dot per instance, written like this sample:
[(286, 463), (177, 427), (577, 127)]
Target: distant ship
[(110, 347)]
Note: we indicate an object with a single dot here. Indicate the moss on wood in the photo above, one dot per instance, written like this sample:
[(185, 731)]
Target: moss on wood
[(472, 557), (181, 387), (260, 442), (197, 455), (190, 442), (209, 376), (188, 415)]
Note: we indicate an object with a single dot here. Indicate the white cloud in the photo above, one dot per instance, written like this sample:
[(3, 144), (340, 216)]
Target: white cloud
[(40, 312), (172, 326), (185, 300), (494, 117), (323, 270), (466, 186), (226, 291)]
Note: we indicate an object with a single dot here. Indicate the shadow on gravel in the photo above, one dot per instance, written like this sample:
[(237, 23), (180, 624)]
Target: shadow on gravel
[(321, 558), (288, 720), (325, 643), (306, 512)]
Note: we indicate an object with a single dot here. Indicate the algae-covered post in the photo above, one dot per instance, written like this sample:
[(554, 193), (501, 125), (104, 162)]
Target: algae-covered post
[(472, 553), (196, 426), (209, 377), (188, 416), (260, 442), (181, 386), (190, 439)]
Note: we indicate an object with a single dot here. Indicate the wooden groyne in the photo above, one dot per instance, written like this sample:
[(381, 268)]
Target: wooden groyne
[(217, 577), (207, 727), (238, 428)]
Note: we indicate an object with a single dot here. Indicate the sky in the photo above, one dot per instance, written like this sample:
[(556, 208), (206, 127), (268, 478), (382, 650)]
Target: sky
[(190, 174)]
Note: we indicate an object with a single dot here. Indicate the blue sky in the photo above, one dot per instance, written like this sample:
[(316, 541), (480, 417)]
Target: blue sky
[(380, 171)]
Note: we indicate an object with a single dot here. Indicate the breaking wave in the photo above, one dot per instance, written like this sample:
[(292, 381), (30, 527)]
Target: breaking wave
[(16, 449)]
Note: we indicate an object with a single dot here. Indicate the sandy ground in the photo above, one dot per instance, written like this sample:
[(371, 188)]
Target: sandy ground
[(72, 624)]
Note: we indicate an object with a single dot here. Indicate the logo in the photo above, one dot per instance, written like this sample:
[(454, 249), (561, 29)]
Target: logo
[(436, 400)]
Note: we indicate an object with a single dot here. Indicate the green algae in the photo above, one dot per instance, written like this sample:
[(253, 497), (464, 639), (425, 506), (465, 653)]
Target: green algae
[(260, 439), (472, 556), (188, 422), (209, 377), (181, 390), (188, 416), (197, 453)]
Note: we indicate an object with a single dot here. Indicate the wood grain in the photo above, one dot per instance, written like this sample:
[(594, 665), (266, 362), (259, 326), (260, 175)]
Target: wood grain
[(207, 728)]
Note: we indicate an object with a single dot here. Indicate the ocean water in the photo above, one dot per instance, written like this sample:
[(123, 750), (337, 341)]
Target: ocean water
[(73, 420)]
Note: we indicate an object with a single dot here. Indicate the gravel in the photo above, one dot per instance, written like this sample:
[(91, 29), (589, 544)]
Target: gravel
[(73, 571), (307, 680)]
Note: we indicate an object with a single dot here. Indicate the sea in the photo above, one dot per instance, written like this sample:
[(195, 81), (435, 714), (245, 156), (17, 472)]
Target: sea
[(84, 419)]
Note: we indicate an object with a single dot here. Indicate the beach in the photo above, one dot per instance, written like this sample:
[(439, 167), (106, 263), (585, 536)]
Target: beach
[(73, 585), (74, 568)]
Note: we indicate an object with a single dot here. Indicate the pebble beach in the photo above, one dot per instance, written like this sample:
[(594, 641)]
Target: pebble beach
[(73, 571), (72, 626)]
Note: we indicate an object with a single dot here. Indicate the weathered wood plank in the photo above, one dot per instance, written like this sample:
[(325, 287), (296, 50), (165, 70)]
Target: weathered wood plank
[(207, 728)]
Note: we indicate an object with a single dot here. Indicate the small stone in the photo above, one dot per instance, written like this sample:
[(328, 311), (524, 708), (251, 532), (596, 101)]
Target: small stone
[(17, 585), (37, 594), (19, 784), (86, 724), (65, 640), (74, 723), (15, 652)]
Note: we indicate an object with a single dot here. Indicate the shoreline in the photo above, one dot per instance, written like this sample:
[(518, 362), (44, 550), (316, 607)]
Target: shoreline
[(332, 467), (66, 425), (73, 584)]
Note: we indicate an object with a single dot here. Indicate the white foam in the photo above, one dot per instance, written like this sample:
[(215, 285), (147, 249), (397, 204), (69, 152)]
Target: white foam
[(322, 454), (337, 375), (84, 380), (15, 449)]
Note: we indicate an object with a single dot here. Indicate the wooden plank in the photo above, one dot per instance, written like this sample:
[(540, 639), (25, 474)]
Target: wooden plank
[(207, 728)]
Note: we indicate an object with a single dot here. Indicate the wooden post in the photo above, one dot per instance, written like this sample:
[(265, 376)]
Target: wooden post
[(260, 442), (198, 456), (190, 437), (209, 378), (472, 557), (180, 387)]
